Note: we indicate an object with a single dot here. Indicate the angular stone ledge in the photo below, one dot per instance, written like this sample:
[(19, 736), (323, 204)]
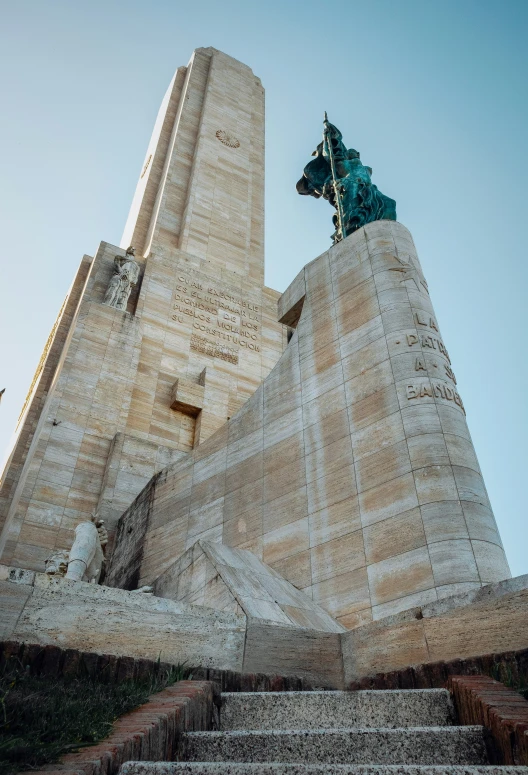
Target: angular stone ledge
[(484, 701), (290, 304), (489, 620), (187, 396)]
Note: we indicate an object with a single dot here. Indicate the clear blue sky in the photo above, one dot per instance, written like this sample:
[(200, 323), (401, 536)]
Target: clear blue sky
[(433, 94)]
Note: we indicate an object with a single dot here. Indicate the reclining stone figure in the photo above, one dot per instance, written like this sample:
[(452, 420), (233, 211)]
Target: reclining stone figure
[(86, 555), (84, 561)]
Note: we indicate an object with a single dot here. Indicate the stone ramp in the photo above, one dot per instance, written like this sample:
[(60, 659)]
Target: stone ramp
[(326, 710), (214, 575)]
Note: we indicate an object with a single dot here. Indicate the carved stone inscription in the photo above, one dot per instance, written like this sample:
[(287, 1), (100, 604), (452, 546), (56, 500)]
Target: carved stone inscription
[(434, 389), (202, 345), (222, 322), (430, 344)]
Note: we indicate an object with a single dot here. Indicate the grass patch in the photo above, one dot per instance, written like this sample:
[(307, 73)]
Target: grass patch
[(518, 682), (42, 718)]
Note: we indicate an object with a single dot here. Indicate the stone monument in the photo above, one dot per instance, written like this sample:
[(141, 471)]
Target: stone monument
[(365, 488), (296, 461), (158, 345)]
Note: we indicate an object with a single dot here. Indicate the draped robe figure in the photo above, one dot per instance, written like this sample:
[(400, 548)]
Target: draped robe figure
[(126, 274), (360, 200)]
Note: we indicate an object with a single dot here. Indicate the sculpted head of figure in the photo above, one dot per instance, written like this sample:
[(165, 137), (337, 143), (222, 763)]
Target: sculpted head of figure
[(57, 564), (101, 529), (131, 251)]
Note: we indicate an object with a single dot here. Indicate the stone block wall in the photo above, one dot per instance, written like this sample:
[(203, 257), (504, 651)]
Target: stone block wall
[(50, 612), (351, 470), (104, 418), (476, 623), (408, 649)]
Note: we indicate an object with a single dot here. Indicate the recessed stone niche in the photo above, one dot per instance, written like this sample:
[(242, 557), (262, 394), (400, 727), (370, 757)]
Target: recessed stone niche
[(187, 395)]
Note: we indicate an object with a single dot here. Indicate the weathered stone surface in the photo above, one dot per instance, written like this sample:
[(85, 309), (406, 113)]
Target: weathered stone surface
[(421, 745), (13, 598), (486, 620), (95, 618), (275, 768), (216, 576), (351, 470), (283, 650), (332, 710), (101, 418)]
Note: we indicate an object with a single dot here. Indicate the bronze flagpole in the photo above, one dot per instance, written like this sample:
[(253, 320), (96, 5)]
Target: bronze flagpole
[(339, 205)]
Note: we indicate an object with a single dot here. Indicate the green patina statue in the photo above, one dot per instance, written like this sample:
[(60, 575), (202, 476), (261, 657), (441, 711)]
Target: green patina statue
[(337, 174)]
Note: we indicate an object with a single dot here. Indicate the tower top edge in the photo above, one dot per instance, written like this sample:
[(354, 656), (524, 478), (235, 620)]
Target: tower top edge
[(212, 52)]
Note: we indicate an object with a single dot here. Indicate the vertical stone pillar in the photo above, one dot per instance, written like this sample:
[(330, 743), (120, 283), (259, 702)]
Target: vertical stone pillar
[(427, 523), (102, 418)]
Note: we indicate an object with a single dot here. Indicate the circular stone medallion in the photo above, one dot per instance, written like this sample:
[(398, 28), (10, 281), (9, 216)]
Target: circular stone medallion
[(227, 139)]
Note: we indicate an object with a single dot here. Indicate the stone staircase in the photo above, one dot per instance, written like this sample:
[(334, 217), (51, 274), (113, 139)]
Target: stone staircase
[(365, 733)]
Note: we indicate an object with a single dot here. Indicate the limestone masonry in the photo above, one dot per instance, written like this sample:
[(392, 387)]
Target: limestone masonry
[(120, 394), (350, 471), (320, 435)]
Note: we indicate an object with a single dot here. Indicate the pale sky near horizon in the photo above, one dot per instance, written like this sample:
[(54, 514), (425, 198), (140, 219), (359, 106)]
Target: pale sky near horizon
[(432, 94)]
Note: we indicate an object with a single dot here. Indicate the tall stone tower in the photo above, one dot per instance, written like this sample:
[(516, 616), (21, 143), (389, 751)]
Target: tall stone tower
[(122, 392)]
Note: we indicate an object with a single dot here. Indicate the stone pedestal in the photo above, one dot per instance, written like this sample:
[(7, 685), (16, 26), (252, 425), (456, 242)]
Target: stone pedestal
[(351, 471), (426, 521)]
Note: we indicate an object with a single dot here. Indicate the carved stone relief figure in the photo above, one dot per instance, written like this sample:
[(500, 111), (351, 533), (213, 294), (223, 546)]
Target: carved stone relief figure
[(86, 555), (125, 277), (57, 564)]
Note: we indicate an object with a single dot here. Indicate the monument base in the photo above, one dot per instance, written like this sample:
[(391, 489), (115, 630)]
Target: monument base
[(350, 471), (91, 618)]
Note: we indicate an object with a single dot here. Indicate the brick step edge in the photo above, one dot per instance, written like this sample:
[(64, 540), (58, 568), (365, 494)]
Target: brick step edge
[(481, 700), (150, 733)]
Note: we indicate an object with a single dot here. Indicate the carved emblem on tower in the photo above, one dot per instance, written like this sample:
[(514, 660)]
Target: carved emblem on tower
[(227, 139)]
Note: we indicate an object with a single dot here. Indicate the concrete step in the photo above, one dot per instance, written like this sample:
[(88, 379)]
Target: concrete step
[(274, 768), (412, 745), (332, 710)]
